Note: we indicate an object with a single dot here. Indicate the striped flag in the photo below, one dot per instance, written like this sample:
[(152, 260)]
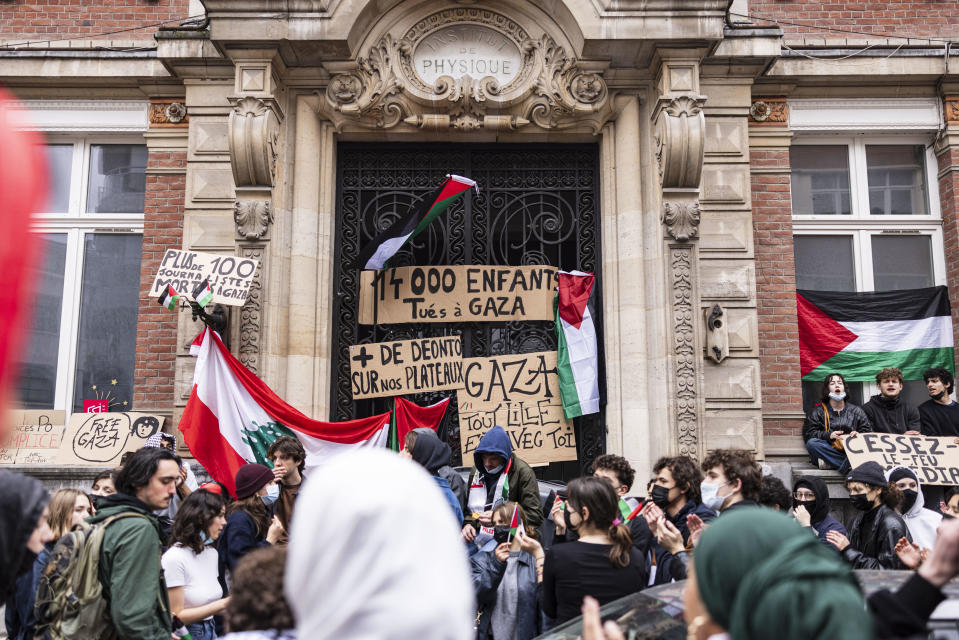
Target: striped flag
[(203, 293), (577, 362), (232, 417), (408, 415), (857, 334), (169, 298), (385, 245), (515, 524)]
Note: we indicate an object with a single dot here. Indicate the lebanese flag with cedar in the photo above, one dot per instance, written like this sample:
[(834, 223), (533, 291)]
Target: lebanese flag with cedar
[(232, 417)]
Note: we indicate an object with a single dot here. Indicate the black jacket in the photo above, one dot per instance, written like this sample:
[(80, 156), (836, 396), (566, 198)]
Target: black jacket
[(891, 415), (851, 418), (904, 614), (21, 502), (873, 540)]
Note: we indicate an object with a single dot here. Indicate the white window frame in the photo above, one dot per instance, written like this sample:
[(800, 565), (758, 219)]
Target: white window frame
[(862, 225), (76, 223)]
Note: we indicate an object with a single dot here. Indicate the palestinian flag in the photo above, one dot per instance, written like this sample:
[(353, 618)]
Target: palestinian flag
[(169, 298), (232, 417), (515, 525), (203, 294), (408, 415), (857, 334), (577, 363), (385, 245)]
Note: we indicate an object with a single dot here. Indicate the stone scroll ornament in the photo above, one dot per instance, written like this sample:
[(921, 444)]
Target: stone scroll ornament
[(254, 134), (551, 89), (680, 140)]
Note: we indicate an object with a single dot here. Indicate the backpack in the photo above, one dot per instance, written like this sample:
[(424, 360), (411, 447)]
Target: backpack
[(70, 602)]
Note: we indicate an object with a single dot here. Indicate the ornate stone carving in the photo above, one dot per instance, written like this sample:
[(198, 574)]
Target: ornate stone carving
[(551, 89), (769, 112), (166, 112), (951, 104), (684, 350), (176, 112), (680, 140), (254, 133), (249, 330), (681, 219), (253, 219)]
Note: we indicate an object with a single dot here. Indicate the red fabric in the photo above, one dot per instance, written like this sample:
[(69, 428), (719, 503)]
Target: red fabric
[(820, 337), (451, 188), (410, 415), (23, 190), (574, 292), (201, 433), (348, 432)]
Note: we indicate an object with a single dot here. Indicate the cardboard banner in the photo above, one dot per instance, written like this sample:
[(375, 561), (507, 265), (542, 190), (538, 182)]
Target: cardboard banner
[(35, 438), (456, 294), (230, 276), (934, 460), (406, 366), (100, 439), (521, 394)]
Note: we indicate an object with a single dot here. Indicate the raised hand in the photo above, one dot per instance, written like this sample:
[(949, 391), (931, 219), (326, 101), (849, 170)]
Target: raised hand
[(669, 538), (908, 552)]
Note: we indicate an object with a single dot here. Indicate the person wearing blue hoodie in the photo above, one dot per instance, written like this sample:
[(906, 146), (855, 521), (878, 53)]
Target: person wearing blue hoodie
[(432, 454), (499, 476)]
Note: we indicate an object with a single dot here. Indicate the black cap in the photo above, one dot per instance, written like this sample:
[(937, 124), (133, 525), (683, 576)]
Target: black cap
[(868, 473)]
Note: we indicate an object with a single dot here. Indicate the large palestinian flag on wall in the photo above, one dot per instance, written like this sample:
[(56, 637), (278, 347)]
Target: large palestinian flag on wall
[(857, 334), (232, 417)]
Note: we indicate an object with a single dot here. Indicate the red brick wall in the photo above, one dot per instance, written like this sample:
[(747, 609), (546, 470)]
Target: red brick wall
[(948, 201), (86, 19), (775, 289), (155, 363), (934, 19)]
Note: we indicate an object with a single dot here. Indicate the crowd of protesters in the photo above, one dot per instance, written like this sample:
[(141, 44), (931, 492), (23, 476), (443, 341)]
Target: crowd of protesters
[(434, 556)]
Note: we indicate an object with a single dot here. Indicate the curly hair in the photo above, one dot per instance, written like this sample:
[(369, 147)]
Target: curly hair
[(685, 473), (256, 599), (944, 375), (775, 494), (194, 517), (288, 446), (737, 464), (889, 372), (618, 465)]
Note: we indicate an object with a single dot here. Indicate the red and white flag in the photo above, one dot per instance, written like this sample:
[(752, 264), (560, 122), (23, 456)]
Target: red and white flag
[(232, 417)]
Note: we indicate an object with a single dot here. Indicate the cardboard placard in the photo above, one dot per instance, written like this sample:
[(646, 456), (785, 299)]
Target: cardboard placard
[(457, 294), (100, 439), (521, 394), (230, 276), (406, 366), (35, 438), (934, 460)]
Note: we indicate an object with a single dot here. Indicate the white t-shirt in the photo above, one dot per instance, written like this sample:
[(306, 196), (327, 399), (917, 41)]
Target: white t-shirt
[(197, 574)]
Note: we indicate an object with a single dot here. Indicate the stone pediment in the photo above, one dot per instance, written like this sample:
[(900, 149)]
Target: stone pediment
[(468, 69)]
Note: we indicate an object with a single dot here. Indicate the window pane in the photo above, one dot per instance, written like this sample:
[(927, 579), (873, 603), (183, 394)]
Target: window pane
[(820, 180), (60, 164), (812, 391), (38, 369), (896, 184), (117, 178), (106, 340), (901, 262), (824, 263)]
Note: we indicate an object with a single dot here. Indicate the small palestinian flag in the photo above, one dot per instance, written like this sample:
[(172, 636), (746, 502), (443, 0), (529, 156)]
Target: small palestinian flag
[(203, 294), (169, 298), (625, 511), (857, 334), (577, 363), (515, 525), (407, 226)]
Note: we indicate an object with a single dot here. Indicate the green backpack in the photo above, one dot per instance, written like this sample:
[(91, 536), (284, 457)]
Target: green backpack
[(70, 602)]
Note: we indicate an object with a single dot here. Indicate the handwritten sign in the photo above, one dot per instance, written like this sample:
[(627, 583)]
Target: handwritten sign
[(406, 366), (935, 460), (35, 437), (230, 276), (101, 438), (521, 394), (456, 294)]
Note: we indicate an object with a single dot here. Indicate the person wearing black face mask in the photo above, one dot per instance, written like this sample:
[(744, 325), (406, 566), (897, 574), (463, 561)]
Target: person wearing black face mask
[(874, 534), (811, 507), (922, 522), (505, 580)]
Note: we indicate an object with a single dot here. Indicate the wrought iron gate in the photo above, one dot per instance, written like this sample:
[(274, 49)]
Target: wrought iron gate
[(538, 204)]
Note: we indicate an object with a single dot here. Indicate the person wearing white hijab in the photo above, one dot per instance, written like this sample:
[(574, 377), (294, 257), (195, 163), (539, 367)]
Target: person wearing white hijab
[(922, 522), (375, 553)]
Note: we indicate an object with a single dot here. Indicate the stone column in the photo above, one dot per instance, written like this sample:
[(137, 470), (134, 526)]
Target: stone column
[(947, 153)]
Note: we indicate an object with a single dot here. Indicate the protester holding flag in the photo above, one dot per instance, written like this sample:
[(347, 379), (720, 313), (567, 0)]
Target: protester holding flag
[(830, 422), (504, 578), (249, 523), (499, 476), (602, 563)]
